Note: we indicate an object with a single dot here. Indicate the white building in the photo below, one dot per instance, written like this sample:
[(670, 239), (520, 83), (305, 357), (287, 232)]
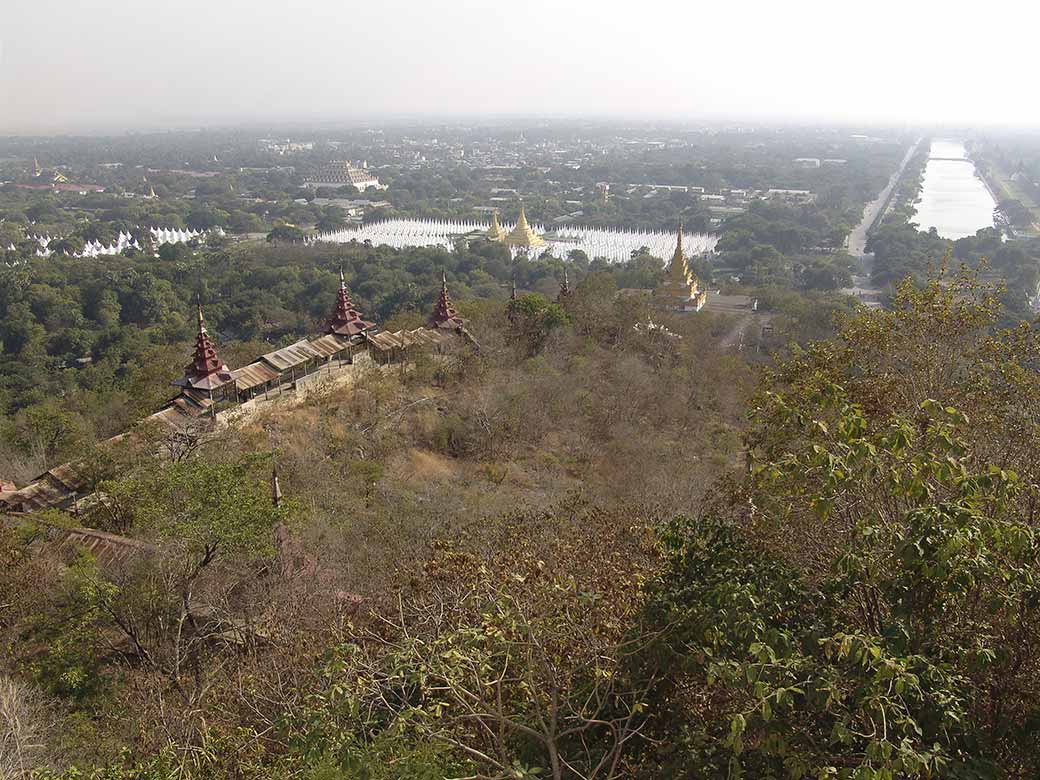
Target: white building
[(340, 173), (614, 244)]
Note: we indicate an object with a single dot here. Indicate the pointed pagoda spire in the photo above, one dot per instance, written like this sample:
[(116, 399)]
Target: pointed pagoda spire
[(679, 289), (346, 319), (444, 314), (206, 371), (522, 235), (678, 268), (495, 232), (37, 170)]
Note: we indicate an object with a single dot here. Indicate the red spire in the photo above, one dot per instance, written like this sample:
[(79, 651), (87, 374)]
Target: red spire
[(346, 320), (444, 314), (206, 370)]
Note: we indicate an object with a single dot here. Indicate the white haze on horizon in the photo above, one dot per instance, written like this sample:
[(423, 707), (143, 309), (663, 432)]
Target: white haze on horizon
[(80, 65)]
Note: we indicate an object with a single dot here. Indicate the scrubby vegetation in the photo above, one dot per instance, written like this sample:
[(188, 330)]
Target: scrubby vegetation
[(570, 555)]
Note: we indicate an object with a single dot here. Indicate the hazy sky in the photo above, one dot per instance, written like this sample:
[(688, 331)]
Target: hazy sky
[(125, 64)]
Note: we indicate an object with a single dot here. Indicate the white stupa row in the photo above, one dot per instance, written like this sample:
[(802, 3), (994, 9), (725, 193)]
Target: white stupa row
[(126, 240), (10, 263), (618, 245), (613, 244), (176, 236)]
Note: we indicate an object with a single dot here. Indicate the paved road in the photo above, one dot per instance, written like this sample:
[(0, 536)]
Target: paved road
[(747, 325), (857, 241)]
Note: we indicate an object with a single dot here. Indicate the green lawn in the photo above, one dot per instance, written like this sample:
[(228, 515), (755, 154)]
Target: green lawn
[(1008, 190)]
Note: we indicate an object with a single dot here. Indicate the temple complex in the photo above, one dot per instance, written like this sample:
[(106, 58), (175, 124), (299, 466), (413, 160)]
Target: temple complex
[(340, 172), (613, 244), (211, 395), (523, 236), (680, 290), (40, 178)]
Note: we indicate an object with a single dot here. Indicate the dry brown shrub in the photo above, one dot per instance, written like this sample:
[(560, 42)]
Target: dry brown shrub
[(28, 727)]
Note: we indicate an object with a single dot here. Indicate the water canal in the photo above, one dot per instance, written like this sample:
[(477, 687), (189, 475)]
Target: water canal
[(953, 200)]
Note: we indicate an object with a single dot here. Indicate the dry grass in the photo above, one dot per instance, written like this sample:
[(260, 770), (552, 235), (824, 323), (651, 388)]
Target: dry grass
[(26, 725), (423, 465)]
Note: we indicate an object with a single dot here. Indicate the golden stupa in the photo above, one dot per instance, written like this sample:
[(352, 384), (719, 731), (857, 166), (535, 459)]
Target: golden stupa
[(679, 290), (522, 235), (495, 232)]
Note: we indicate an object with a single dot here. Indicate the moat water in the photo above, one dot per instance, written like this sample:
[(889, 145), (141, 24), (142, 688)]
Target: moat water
[(953, 199)]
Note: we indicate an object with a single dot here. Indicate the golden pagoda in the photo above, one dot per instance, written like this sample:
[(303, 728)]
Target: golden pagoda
[(495, 232), (679, 291), (522, 235)]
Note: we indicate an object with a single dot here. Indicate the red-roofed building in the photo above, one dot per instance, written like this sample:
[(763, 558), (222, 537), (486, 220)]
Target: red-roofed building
[(444, 314), (346, 319), (206, 372)]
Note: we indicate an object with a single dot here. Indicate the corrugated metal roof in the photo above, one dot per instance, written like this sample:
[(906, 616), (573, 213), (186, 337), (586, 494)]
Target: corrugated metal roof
[(171, 416), (191, 407), (403, 339), (198, 398), (107, 548), (384, 341), (330, 345), (67, 477), (291, 356), (42, 493), (253, 375)]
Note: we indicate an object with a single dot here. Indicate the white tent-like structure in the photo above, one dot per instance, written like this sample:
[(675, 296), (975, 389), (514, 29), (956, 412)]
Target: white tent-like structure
[(125, 240), (614, 244)]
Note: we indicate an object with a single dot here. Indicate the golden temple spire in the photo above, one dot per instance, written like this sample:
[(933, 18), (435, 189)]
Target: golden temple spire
[(679, 289), (678, 268), (522, 235), (495, 232), (198, 306)]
